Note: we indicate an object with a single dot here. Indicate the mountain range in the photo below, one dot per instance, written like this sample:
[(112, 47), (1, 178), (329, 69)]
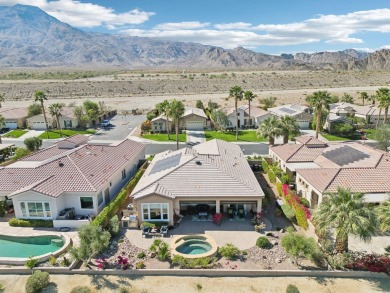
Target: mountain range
[(29, 37)]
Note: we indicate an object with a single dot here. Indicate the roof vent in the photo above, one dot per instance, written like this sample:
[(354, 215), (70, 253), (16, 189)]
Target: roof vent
[(60, 164), (198, 162)]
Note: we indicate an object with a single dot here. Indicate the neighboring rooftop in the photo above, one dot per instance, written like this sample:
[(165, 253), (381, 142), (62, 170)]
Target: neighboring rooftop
[(213, 168), (255, 111), (13, 113), (194, 111), (288, 110), (309, 140)]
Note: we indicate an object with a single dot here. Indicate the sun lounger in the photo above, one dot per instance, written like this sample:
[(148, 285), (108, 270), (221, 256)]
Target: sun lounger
[(146, 231), (164, 231)]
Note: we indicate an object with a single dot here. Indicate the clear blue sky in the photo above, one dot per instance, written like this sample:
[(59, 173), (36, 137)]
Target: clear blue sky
[(278, 26)]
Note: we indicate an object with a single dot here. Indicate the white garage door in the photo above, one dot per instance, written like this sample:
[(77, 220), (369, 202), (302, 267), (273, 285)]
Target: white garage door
[(38, 126), (11, 125), (194, 125)]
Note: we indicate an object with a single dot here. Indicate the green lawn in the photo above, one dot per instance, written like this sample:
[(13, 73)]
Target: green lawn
[(53, 134), (370, 133), (332, 137), (243, 135), (164, 137), (16, 133)]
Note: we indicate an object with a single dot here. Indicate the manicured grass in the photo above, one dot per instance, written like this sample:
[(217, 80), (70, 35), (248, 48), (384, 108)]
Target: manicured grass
[(332, 137), (53, 134), (16, 133), (164, 137), (243, 135), (370, 133)]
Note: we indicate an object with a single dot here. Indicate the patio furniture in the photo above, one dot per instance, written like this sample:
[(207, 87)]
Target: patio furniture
[(164, 231), (230, 213), (146, 231)]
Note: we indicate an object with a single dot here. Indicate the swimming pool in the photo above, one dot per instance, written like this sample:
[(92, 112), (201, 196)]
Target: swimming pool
[(24, 247), (194, 246)]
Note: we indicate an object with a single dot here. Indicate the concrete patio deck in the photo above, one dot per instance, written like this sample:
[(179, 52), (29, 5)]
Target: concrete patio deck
[(239, 233)]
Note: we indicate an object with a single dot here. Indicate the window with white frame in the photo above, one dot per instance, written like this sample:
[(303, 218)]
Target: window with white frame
[(35, 209), (86, 202), (154, 211)]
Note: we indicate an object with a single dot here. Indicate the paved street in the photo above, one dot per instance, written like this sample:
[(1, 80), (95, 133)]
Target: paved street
[(195, 137)]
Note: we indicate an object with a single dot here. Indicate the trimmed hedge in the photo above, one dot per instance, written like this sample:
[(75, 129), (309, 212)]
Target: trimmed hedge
[(113, 207), (154, 224), (279, 188), (288, 211), (265, 166), (263, 242), (31, 223), (271, 176)]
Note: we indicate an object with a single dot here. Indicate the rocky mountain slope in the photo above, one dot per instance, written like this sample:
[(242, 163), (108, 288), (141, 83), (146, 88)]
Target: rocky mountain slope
[(29, 37)]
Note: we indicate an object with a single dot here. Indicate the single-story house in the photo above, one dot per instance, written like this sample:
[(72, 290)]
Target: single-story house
[(67, 120), (14, 117), (369, 112), (320, 168), (192, 119), (212, 177), (70, 175), (257, 116), (300, 112)]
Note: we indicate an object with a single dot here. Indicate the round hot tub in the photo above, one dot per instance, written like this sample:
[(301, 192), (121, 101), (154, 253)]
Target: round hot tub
[(194, 246)]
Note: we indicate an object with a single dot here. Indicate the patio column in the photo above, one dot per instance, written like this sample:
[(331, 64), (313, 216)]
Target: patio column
[(217, 206), (176, 206), (259, 203)]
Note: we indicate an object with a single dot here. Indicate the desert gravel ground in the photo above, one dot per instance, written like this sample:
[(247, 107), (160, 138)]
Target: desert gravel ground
[(161, 284)]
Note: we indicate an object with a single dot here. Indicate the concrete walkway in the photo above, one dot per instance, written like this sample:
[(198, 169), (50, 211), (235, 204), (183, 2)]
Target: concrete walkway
[(194, 137)]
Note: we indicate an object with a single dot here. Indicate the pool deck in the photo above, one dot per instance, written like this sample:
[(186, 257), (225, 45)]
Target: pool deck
[(239, 233)]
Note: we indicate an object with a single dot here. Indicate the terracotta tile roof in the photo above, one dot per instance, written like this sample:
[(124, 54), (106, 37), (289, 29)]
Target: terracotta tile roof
[(194, 111), (77, 139), (309, 140), (44, 154), (224, 172), (285, 151), (83, 169), (255, 111), (13, 113), (306, 154), (318, 178)]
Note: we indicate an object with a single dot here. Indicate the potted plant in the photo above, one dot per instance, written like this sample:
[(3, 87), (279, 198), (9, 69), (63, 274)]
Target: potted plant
[(257, 228)]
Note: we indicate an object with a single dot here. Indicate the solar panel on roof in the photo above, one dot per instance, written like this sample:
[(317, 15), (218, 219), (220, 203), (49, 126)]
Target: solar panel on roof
[(287, 110), (345, 155), (166, 163)]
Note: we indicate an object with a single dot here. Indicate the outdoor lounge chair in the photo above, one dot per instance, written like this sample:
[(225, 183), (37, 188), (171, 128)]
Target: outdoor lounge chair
[(230, 212), (241, 213), (164, 231), (146, 231)]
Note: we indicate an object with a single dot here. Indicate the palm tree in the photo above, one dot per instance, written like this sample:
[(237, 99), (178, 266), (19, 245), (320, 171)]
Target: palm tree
[(289, 126), (249, 96), (78, 111), (383, 97), (364, 96), (55, 111), (40, 97), (237, 93), (345, 212), (2, 124), (383, 214), (270, 128), (320, 102), (2, 99), (163, 108), (176, 110)]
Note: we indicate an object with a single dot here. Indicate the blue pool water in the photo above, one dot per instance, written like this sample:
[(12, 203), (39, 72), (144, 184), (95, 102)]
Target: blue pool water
[(193, 246), (24, 247)]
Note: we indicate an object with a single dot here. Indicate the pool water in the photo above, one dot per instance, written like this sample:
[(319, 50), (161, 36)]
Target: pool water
[(24, 247), (194, 247)]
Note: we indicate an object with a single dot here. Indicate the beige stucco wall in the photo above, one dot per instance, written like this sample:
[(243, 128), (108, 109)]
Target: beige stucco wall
[(154, 198), (163, 125), (305, 189)]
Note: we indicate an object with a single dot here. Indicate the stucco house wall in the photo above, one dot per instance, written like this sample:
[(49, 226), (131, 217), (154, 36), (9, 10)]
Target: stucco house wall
[(191, 118), (160, 125)]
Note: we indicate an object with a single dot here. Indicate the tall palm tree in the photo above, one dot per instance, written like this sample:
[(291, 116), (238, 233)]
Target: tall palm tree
[(237, 93), (55, 111), (40, 97), (346, 213), (289, 126), (249, 96), (2, 99), (270, 128), (319, 101), (383, 213), (2, 124), (176, 110), (383, 98), (364, 96), (163, 108)]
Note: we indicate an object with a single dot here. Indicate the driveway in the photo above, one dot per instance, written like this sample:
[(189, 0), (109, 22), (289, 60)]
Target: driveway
[(195, 137), (121, 126)]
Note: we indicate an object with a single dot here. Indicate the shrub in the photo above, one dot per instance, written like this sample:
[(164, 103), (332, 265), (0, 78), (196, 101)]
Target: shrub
[(154, 224), (30, 223), (161, 248), (298, 246), (20, 153), (65, 262), (263, 242), (229, 251), (33, 143), (285, 179), (305, 202), (141, 255), (199, 286), (37, 281), (113, 207), (292, 289), (3, 208), (244, 252), (81, 289), (271, 176), (387, 248), (300, 215), (114, 225), (372, 263), (265, 166), (279, 188), (32, 262), (123, 290), (140, 265), (52, 260), (288, 211), (2, 287)]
